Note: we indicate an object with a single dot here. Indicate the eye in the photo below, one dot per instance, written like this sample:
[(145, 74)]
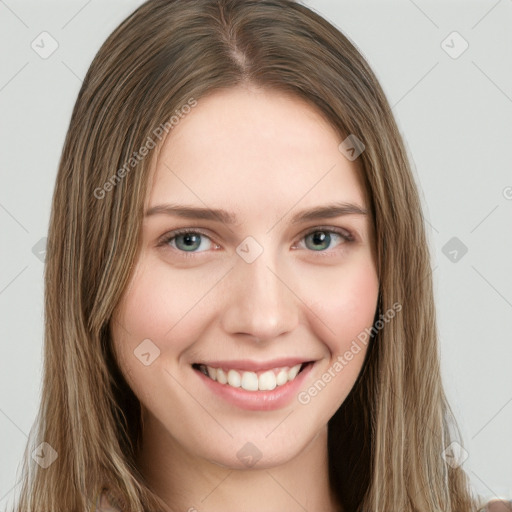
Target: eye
[(320, 239), (187, 240)]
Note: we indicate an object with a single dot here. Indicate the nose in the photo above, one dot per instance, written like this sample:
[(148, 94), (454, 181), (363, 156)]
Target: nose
[(259, 300)]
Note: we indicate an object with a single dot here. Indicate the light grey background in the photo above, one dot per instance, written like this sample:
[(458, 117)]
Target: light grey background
[(454, 113)]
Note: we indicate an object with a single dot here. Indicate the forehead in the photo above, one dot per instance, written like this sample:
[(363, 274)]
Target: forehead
[(251, 149)]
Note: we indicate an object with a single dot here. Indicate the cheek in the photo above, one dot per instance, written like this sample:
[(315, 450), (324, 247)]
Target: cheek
[(172, 306), (174, 309), (343, 300), (156, 304)]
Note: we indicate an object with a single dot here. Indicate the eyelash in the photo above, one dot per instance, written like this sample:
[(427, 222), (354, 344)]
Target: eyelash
[(345, 235)]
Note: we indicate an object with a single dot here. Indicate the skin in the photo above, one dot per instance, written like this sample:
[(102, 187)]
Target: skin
[(264, 156), (499, 506)]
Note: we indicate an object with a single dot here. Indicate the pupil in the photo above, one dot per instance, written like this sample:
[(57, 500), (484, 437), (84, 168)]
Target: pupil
[(190, 240), (321, 237)]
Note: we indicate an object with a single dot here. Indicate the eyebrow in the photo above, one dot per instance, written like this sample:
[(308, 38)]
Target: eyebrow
[(320, 212)]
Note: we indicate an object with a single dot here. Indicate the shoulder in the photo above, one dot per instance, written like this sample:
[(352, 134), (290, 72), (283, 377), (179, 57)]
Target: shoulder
[(498, 506), (106, 503)]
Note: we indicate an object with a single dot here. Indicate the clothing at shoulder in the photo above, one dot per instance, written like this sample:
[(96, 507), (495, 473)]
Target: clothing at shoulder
[(103, 504), (498, 506)]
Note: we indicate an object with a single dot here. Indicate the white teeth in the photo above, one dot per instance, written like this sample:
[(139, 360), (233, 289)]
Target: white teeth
[(267, 381), (221, 376), (293, 372), (234, 379), (282, 378), (251, 381)]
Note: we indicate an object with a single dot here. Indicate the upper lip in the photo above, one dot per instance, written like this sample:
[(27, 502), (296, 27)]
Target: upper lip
[(248, 365)]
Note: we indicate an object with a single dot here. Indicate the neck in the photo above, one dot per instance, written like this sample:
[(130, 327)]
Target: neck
[(187, 482)]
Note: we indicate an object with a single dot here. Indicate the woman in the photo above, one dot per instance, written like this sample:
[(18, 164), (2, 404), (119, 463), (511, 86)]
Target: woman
[(201, 351)]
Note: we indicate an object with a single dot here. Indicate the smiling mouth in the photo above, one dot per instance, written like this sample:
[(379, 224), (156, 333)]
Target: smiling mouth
[(266, 380)]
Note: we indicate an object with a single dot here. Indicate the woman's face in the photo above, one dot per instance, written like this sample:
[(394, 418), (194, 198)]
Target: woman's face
[(257, 295)]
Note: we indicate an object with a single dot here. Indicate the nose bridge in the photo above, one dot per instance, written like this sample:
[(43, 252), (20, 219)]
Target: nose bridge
[(260, 304)]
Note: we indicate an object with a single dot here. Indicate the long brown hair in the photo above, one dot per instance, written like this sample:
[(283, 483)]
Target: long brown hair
[(386, 441)]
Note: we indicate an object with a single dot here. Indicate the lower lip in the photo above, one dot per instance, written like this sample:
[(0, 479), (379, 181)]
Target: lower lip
[(258, 400)]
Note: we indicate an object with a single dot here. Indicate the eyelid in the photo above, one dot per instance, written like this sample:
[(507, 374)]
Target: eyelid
[(343, 232), (167, 237), (347, 235)]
